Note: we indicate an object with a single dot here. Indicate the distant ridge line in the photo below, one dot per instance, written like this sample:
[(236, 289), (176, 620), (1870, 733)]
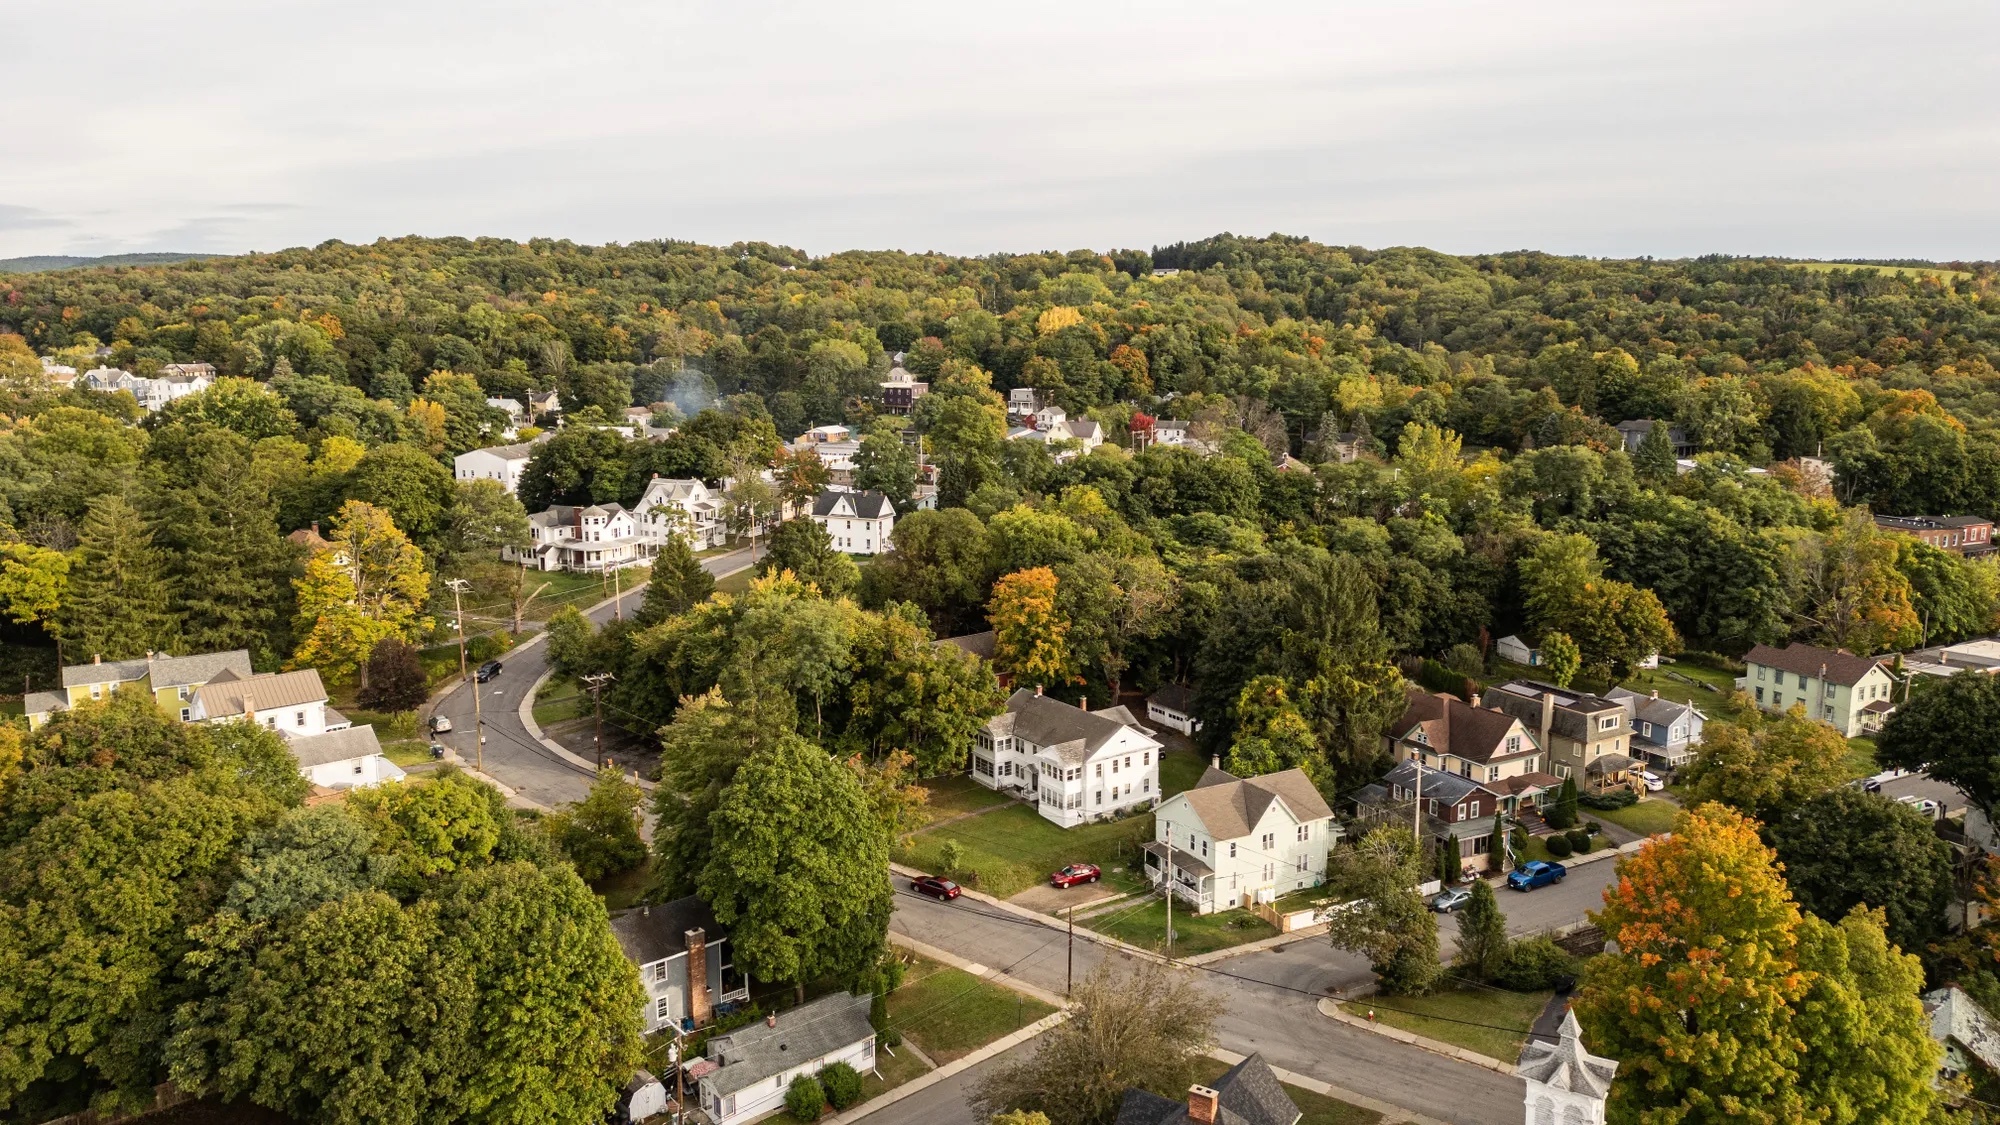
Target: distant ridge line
[(40, 263)]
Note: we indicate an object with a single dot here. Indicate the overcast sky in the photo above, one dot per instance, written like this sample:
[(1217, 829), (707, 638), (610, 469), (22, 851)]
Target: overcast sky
[(1821, 128)]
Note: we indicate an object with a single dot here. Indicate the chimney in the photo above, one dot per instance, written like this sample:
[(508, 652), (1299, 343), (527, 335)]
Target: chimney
[(1083, 704), (697, 994), (1202, 1104), (98, 658), (1038, 689), (1656, 693), (1215, 761), (771, 1020), (1474, 701), (1548, 715)]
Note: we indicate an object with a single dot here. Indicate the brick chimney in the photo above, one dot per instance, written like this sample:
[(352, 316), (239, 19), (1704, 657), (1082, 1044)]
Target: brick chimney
[(697, 986), (1202, 1105)]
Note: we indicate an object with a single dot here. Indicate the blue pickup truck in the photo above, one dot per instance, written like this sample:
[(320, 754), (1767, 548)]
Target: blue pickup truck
[(1536, 873)]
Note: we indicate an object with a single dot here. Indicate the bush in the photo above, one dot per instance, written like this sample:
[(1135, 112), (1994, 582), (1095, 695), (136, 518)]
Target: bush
[(1465, 660), (951, 857), (1558, 846), (1579, 840), (842, 1084), (1616, 799), (1534, 964), (805, 1100)]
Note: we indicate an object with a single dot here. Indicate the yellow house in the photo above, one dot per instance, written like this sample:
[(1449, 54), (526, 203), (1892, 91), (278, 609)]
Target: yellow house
[(172, 681)]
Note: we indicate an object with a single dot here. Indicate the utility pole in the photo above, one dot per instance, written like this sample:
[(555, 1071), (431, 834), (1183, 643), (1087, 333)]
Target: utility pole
[(458, 588), (1069, 971), (618, 593), (1170, 892), (597, 680)]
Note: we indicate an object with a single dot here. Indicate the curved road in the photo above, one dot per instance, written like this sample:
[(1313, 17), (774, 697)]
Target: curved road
[(513, 757)]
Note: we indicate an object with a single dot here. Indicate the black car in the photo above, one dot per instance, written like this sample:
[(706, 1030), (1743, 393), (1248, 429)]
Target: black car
[(487, 671)]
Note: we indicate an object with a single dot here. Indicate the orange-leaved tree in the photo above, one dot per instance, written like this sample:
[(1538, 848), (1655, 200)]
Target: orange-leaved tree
[(1031, 636)]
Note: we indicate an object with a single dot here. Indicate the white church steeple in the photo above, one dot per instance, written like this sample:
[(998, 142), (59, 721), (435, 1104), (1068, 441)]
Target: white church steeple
[(1567, 1085)]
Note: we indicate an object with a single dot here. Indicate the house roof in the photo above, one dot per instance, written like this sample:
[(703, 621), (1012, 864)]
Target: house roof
[(514, 452), (1085, 429), (1174, 697), (236, 695), (1610, 763), (1246, 1094), (1573, 709), (334, 746), (1230, 807), (1072, 733), (1455, 727), (165, 671), (1652, 708), (751, 1054), (1956, 1016), (1565, 1065), (1182, 860), (659, 931), (865, 505), (1449, 788), (1841, 666), (978, 644), (42, 702), (1524, 783)]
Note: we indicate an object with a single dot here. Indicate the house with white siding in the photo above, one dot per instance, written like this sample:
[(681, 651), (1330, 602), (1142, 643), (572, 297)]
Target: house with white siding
[(1232, 841), (859, 523), (504, 463), (682, 506), (590, 540), (1075, 765), (349, 757), (748, 1070)]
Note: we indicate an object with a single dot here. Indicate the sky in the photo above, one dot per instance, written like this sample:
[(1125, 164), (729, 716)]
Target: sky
[(1821, 129)]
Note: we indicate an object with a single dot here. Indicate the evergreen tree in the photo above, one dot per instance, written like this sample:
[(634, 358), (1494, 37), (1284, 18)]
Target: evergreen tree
[(1654, 459), (1482, 933), (116, 603), (679, 583), (1562, 814), (804, 548), (227, 566), (395, 680)]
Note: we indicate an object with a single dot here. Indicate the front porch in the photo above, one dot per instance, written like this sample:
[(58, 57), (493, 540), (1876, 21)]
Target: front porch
[(1193, 879)]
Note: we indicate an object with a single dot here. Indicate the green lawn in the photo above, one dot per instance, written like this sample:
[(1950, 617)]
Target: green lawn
[(1145, 925), (625, 888), (1648, 818), (1179, 770), (1893, 271), (736, 583), (558, 700), (1490, 1021), (1012, 848), (951, 796), (1537, 850), (407, 752), (894, 1067), (1316, 1109), (1861, 757), (950, 1013)]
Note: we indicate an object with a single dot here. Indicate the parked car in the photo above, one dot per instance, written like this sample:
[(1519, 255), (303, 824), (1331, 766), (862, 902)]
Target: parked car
[(1536, 873), (440, 724), (1924, 805), (487, 671), (1654, 782), (437, 750), (1445, 902), (935, 887), (1075, 873), (1871, 784)]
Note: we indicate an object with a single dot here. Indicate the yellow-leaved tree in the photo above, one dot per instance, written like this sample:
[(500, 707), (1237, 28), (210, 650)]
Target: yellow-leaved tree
[(368, 584), (1031, 636)]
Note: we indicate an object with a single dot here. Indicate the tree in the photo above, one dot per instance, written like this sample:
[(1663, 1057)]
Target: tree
[(484, 519), (1562, 814), (1113, 603), (395, 681), (885, 463), (1332, 649), (1946, 731), (1031, 636), (1561, 658), (1145, 1026), (1844, 849), (600, 834), (1482, 933), (940, 564), (750, 502), (579, 465), (244, 406), (417, 492), (1388, 921), (805, 1100), (34, 581), (116, 601), (1615, 625), (1722, 1004), (368, 585), (1854, 595), (570, 642), (700, 752), (798, 866), (908, 693), (450, 823), (1654, 459), (1769, 769), (803, 547), (679, 583)]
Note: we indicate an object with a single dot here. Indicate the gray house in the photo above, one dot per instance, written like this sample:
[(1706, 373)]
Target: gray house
[(1634, 432), (684, 962), (1664, 732)]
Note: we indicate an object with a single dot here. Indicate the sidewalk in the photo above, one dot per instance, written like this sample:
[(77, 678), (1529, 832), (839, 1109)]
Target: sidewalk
[(1330, 1008)]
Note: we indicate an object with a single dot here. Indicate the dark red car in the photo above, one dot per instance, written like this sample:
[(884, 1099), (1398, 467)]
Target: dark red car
[(1075, 873), (935, 887)]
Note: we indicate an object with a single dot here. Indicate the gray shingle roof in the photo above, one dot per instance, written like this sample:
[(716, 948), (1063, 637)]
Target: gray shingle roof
[(866, 505), (1246, 1094), (1174, 697), (1072, 733), (166, 671), (1573, 709), (42, 702), (334, 746), (1841, 667), (1230, 807), (978, 644), (1448, 788), (659, 931), (810, 1031)]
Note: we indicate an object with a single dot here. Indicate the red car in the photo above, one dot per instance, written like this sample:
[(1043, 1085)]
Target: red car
[(935, 887), (1073, 874)]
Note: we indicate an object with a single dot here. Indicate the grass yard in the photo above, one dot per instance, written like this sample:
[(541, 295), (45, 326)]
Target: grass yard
[(950, 1013), (625, 888), (1536, 849), (1316, 1109), (1179, 770), (958, 794), (1648, 818), (893, 1067), (407, 752), (736, 583), (1490, 1021), (1012, 848), (1145, 925), (560, 699), (1861, 757)]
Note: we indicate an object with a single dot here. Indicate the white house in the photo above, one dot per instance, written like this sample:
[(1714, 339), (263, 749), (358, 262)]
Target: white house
[(175, 381), (1566, 1085), (1852, 692), (755, 1065), (1511, 647), (1173, 707), (349, 757), (504, 463), (645, 1096), (291, 703), (1076, 765), (1968, 1035), (859, 523), (820, 435), (685, 506), (684, 963), (1023, 402), (601, 537), (1232, 841)]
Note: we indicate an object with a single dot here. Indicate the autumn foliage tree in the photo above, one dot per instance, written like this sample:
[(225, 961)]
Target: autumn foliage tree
[(1031, 637), (368, 585)]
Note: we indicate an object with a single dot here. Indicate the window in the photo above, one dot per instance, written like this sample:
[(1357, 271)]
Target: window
[(1232, 849), (1302, 861), (1760, 695), (1145, 785), (1461, 810), (659, 971), (184, 693), (357, 767), (1760, 671), (1829, 712), (1099, 797), (982, 766), (1100, 769), (1513, 744), (1114, 765), (298, 718), (1305, 831), (1128, 761), (1270, 840), (1270, 869), (1802, 678), (660, 1011), (187, 714), (1146, 759), (1204, 849), (1492, 773), (1609, 722)]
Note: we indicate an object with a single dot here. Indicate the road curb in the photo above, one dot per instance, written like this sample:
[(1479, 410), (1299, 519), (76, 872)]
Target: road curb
[(983, 972), (526, 713), (1317, 929), (1391, 1114), (1040, 919), (1331, 1009), (948, 1070)]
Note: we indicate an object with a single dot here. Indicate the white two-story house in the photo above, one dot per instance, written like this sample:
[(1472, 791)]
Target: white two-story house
[(1075, 765), (683, 506), (504, 463), (601, 537), (1232, 841), (1852, 692), (291, 703), (859, 523)]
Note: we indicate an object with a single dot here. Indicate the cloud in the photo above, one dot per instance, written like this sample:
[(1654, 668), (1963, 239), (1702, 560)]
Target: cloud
[(15, 217)]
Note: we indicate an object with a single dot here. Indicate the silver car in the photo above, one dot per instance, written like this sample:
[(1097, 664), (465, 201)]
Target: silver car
[(1445, 902)]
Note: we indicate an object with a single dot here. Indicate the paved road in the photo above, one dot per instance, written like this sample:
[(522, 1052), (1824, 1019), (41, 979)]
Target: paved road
[(1545, 908), (512, 757), (943, 1103), (1267, 1003)]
